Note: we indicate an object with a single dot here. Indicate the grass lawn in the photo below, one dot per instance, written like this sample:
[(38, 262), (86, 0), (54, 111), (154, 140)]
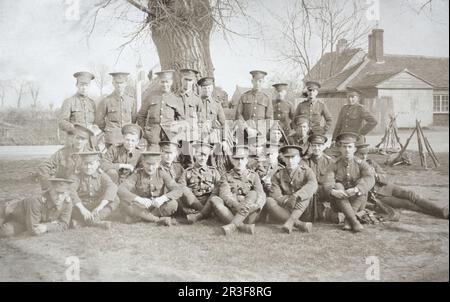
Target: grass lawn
[(414, 249)]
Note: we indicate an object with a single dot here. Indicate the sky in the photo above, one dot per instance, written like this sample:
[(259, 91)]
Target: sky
[(43, 41)]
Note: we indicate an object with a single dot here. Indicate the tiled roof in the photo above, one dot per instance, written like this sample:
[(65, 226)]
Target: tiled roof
[(432, 70), (331, 64)]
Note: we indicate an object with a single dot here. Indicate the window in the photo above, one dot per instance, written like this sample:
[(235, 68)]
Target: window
[(440, 103)]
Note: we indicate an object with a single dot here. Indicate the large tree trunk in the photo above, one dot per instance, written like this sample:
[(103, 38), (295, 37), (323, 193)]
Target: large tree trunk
[(181, 31)]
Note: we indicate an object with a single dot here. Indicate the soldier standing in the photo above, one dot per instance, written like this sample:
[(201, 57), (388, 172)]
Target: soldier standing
[(150, 194), (211, 115), (120, 161), (348, 182), (116, 110), (283, 110), (253, 107), (160, 109), (292, 190), (396, 196), (241, 196), (201, 183), (314, 110), (79, 108), (96, 194), (191, 104), (48, 213), (63, 163), (353, 117)]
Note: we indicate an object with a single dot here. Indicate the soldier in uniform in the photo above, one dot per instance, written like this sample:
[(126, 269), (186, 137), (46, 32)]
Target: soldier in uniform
[(254, 106), (314, 109), (211, 115), (47, 213), (191, 105), (120, 161), (169, 150), (291, 192), (150, 194), (63, 163), (200, 183), (283, 110), (396, 196), (319, 162), (266, 168), (96, 194), (241, 196), (348, 182), (276, 136), (353, 117), (79, 108), (116, 110), (301, 134), (160, 108)]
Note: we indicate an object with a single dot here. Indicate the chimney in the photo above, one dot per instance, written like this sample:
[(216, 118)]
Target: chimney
[(341, 45), (376, 49)]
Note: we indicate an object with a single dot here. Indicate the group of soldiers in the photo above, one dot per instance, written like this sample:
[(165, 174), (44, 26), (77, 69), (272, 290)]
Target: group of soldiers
[(176, 159)]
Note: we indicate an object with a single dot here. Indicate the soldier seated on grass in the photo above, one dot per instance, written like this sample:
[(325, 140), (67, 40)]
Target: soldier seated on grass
[(200, 183), (319, 207), (120, 161), (96, 197), (47, 213), (241, 195), (291, 192), (348, 182), (149, 194)]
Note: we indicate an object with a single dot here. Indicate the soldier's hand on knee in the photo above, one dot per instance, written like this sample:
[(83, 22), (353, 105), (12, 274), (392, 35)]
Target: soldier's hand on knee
[(352, 192), (291, 201), (339, 194), (87, 215)]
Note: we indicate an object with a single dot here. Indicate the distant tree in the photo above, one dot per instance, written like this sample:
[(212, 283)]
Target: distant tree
[(102, 77), (310, 25), (20, 87), (51, 106), (34, 92)]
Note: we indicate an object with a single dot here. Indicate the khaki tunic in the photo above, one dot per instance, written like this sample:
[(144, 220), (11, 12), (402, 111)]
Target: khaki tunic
[(283, 111), (234, 188), (314, 112), (117, 155), (113, 113), (140, 184), (92, 189), (77, 109), (252, 107), (62, 164), (353, 173), (300, 183), (26, 214), (354, 118), (159, 109)]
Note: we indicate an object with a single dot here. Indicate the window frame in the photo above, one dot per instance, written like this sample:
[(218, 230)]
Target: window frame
[(438, 100)]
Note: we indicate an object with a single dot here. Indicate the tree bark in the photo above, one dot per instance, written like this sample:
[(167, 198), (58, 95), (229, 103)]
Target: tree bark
[(181, 32)]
